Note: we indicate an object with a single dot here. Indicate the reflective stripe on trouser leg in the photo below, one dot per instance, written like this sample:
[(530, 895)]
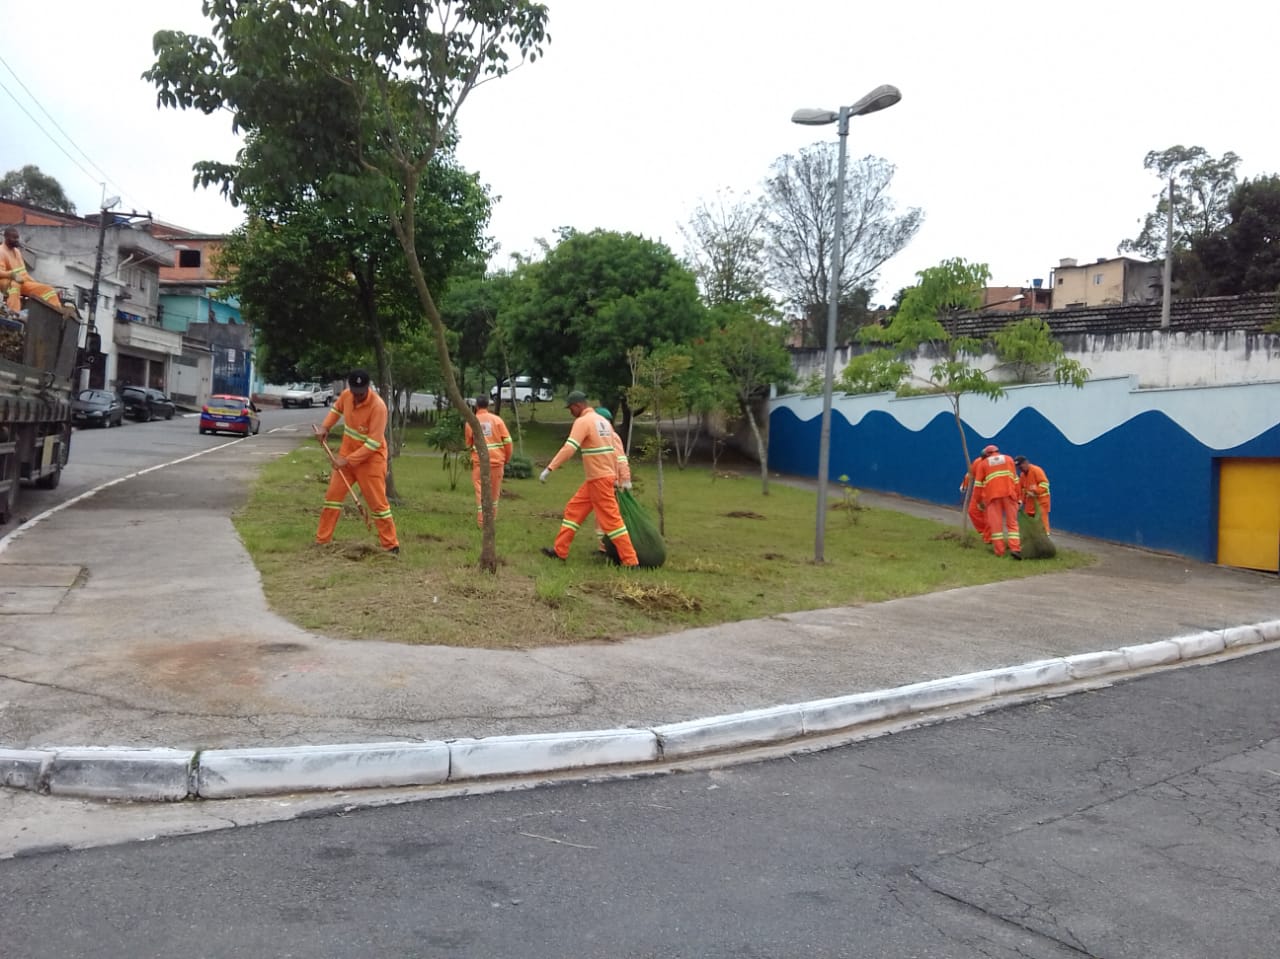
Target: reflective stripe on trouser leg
[(605, 503), (1002, 513), (371, 477)]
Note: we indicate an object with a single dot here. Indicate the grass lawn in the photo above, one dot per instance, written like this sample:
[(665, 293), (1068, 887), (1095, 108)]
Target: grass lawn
[(732, 554)]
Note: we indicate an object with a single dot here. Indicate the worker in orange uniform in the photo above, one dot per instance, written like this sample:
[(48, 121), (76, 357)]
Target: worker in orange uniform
[(498, 442), (998, 478), (623, 480), (16, 282), (362, 459), (592, 436), (977, 513), (1034, 486)]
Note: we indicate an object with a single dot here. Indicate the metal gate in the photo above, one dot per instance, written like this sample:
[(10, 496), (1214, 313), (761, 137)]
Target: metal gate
[(1249, 513), (231, 370)]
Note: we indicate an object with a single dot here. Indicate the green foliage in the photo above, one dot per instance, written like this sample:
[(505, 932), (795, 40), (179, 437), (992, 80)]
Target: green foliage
[(1243, 256), (875, 371), (1202, 187), (595, 296), (30, 185), (849, 500), (518, 467), (447, 436), (1028, 348)]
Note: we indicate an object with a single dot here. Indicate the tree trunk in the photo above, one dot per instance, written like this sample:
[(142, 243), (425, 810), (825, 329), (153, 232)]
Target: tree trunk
[(762, 449)]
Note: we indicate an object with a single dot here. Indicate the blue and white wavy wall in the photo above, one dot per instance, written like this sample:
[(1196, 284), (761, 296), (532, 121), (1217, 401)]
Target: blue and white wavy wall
[(1125, 464)]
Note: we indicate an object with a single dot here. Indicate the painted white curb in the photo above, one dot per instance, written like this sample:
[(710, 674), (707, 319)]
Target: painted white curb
[(108, 773), (259, 772), (549, 752), (23, 768), (173, 774)]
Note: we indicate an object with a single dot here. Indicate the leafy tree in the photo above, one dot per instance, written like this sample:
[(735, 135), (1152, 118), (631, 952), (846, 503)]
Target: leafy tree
[(951, 286), (725, 243), (656, 387), (800, 212), (29, 185), (1202, 186), (1244, 256), (754, 356), (1028, 349), (596, 295), (352, 101)]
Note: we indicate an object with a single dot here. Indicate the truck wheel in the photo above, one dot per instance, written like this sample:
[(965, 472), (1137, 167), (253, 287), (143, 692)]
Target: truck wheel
[(9, 470), (306, 404)]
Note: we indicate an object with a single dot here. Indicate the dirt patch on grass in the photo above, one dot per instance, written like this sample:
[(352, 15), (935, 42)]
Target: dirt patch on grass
[(744, 514)]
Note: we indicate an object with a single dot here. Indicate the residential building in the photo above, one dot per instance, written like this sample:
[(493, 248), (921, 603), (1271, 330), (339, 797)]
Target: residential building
[(1115, 281), (217, 345)]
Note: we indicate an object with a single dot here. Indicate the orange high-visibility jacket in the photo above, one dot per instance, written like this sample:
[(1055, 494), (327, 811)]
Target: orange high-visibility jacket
[(1035, 483), (364, 426), (11, 262), (624, 464), (592, 436), (997, 477), (969, 478), (496, 437)]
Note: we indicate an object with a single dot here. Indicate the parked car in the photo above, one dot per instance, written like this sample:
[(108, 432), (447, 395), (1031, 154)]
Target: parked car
[(529, 389), (225, 413), (97, 408), (306, 395), (145, 404)]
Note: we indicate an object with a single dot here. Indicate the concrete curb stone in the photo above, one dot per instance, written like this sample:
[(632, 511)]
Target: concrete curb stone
[(174, 774)]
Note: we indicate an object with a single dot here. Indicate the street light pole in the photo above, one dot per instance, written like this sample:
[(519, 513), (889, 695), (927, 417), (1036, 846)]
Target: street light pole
[(878, 99)]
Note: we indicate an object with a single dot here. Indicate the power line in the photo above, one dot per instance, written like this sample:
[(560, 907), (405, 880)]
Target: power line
[(96, 178)]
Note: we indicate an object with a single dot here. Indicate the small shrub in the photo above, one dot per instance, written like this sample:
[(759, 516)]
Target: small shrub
[(518, 467)]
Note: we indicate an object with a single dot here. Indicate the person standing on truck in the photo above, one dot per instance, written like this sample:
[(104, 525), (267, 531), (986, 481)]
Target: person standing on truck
[(16, 282), (362, 459), (497, 439)]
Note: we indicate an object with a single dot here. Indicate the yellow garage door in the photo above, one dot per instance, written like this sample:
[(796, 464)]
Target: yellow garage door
[(1249, 514)]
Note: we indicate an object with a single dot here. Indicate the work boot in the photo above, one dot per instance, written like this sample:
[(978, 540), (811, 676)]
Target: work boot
[(393, 551), (550, 553), (1016, 555)]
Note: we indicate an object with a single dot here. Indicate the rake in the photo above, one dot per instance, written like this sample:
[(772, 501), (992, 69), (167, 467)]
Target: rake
[(364, 513)]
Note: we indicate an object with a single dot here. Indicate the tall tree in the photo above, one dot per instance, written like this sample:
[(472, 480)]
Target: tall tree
[(724, 240), (597, 295), (800, 214), (350, 99), (754, 355), (1244, 256), (29, 185), (1202, 186)]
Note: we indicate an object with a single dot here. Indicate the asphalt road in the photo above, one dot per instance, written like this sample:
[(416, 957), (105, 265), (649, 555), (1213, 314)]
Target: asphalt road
[(1133, 821), (101, 455)]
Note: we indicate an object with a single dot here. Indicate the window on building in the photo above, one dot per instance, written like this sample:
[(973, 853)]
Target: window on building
[(189, 258), (1097, 279)]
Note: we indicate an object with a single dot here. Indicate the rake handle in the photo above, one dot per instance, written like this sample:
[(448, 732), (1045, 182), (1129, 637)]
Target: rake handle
[(333, 460)]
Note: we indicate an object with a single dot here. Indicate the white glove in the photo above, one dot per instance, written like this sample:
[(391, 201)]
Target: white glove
[(545, 474), (627, 485)]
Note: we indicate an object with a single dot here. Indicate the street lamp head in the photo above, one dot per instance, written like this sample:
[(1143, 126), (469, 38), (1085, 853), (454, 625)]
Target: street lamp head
[(814, 118), (885, 95)]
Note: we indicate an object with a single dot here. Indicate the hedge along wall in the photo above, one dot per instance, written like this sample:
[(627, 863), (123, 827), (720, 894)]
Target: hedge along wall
[(1124, 464)]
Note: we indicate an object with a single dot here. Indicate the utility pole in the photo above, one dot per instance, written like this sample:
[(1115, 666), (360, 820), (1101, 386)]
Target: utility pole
[(1168, 263)]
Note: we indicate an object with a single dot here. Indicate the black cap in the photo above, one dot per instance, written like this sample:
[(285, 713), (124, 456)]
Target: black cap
[(358, 378), (482, 402), (1019, 460)]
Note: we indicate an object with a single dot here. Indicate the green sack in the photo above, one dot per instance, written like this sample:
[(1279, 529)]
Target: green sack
[(650, 549), (1036, 543)]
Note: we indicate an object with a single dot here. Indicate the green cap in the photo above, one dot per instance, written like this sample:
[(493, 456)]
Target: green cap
[(577, 396), (605, 413)]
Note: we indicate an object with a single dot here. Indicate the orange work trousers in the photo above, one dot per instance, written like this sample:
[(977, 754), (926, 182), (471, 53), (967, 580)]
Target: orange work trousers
[(1002, 520), (978, 517), (596, 495), (495, 487), (40, 291), (371, 477)]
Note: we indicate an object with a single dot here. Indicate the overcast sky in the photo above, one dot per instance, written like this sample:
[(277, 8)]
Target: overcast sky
[(1020, 134)]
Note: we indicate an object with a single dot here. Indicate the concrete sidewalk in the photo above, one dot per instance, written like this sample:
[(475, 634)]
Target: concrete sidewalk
[(207, 693)]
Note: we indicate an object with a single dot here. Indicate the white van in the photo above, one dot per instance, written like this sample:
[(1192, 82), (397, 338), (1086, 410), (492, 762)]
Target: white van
[(529, 389)]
